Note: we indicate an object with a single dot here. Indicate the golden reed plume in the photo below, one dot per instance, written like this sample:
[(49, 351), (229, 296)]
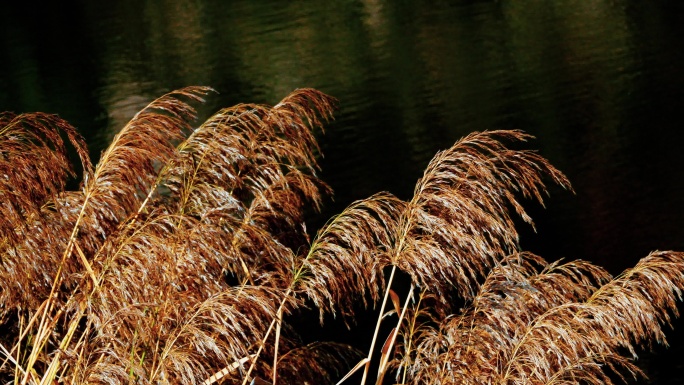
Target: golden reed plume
[(183, 254)]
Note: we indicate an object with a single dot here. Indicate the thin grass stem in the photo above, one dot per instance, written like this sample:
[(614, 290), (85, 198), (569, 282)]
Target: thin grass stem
[(377, 326)]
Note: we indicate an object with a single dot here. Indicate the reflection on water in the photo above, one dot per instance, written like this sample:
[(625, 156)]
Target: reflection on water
[(598, 82)]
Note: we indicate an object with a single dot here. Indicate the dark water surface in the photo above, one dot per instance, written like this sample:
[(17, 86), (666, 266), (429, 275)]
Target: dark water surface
[(599, 83)]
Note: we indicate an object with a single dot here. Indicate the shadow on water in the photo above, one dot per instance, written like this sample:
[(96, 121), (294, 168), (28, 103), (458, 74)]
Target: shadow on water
[(599, 83)]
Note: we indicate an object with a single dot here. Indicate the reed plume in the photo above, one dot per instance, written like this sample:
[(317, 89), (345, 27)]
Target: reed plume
[(184, 254), (534, 322)]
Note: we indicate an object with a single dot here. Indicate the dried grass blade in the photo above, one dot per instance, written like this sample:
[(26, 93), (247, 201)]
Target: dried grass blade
[(10, 358), (225, 371), (356, 367), (389, 344), (87, 265), (384, 355), (395, 301), (274, 376)]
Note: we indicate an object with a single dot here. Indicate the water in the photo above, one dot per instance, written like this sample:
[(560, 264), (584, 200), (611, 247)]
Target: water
[(600, 83)]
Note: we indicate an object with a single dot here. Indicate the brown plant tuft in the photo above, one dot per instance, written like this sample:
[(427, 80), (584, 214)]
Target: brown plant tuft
[(184, 256)]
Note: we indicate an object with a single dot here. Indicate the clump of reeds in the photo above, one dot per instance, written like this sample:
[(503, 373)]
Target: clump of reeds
[(181, 255)]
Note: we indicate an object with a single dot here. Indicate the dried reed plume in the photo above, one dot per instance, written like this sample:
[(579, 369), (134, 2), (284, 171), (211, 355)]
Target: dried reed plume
[(184, 252)]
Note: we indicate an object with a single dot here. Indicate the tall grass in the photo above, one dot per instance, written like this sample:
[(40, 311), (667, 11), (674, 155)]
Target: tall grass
[(184, 252)]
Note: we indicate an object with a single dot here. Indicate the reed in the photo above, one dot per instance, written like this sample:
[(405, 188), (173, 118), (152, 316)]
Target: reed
[(184, 252)]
